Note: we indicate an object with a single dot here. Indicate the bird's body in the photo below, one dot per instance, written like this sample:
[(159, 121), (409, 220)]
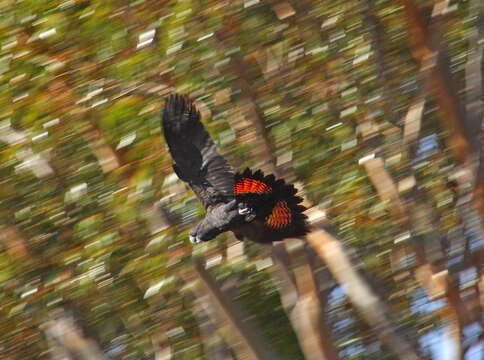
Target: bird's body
[(250, 204)]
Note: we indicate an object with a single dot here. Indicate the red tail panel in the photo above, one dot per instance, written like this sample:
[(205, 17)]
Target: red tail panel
[(251, 186), (281, 215), (275, 203)]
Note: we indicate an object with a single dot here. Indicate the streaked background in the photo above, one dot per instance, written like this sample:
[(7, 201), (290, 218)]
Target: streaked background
[(373, 108)]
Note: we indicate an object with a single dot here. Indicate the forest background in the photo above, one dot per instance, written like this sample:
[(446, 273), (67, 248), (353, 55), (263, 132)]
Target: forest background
[(372, 107)]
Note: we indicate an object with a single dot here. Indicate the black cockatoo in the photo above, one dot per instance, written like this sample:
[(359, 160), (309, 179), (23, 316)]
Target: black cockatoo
[(253, 206)]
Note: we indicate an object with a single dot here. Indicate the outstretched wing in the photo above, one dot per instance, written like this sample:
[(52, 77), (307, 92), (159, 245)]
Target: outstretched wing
[(194, 153), (279, 214)]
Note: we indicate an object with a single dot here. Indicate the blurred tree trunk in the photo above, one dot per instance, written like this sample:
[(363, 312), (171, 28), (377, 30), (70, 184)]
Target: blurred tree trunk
[(373, 310), (244, 338), (386, 330), (65, 338), (432, 276), (302, 306), (68, 339), (473, 82), (463, 123), (161, 345), (57, 351), (37, 163), (377, 43), (429, 49), (214, 348)]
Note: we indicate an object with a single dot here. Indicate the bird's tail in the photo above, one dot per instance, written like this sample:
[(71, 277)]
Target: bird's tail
[(281, 208)]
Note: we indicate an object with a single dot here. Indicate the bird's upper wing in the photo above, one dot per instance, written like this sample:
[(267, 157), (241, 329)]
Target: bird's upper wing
[(194, 153)]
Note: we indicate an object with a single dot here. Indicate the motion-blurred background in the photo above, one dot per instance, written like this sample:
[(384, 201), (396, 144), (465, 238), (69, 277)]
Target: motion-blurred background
[(371, 106)]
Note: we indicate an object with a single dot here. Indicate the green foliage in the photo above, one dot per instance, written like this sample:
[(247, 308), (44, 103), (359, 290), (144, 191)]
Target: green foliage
[(82, 161)]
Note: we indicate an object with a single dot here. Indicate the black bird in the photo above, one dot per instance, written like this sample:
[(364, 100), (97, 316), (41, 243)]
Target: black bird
[(255, 206)]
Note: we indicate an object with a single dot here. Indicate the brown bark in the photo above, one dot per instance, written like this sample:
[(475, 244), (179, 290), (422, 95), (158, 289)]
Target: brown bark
[(432, 277), (230, 319), (37, 163), (463, 124), (428, 49), (161, 345), (62, 331), (14, 243), (107, 157), (386, 189), (298, 305), (303, 306), (377, 43), (263, 147), (473, 81), (372, 309), (213, 349), (413, 119), (473, 74), (243, 338), (393, 340), (64, 337)]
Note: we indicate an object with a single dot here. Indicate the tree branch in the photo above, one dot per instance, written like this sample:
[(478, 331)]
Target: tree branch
[(429, 49), (62, 330), (372, 309), (247, 339)]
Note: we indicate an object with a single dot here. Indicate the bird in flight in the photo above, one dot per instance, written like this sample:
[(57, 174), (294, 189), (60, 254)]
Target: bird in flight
[(252, 205)]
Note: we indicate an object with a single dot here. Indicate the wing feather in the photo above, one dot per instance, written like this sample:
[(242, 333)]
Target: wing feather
[(197, 160)]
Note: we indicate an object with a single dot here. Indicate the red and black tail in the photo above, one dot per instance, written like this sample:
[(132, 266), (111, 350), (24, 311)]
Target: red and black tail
[(275, 203)]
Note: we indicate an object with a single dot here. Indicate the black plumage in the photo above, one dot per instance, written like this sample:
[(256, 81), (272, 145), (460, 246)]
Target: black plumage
[(252, 205)]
